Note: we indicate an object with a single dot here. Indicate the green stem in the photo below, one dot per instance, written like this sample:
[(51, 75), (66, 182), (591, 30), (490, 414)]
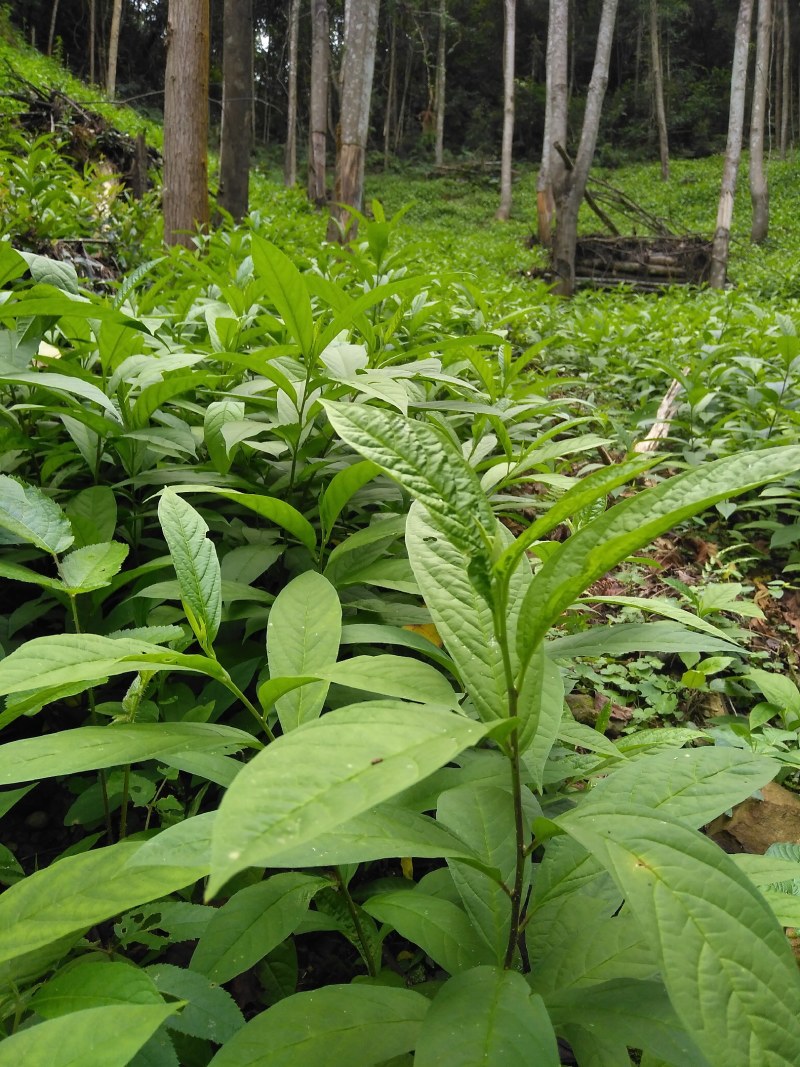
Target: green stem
[(351, 907), (260, 719), (123, 813)]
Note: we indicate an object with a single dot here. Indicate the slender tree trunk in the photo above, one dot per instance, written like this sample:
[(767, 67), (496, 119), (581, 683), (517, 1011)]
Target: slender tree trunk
[(186, 120), (759, 190), (575, 184), (733, 152), (786, 81), (402, 111), (658, 90), (552, 173), (236, 135), (509, 44), (51, 36), (318, 102), (390, 116), (92, 39), (113, 49), (358, 67), (439, 90), (290, 153)]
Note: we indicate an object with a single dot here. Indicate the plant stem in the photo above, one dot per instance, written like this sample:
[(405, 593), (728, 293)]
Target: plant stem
[(260, 719), (123, 811), (351, 907)]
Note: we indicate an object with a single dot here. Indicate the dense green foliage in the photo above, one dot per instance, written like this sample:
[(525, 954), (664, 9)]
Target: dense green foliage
[(302, 549)]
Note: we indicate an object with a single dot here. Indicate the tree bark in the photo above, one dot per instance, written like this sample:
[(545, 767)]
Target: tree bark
[(290, 152), (552, 171), (509, 44), (390, 115), (786, 90), (658, 90), (733, 152), (439, 90), (236, 135), (569, 203), (185, 191), (113, 49), (51, 36), (92, 39), (358, 66), (318, 102), (759, 190)]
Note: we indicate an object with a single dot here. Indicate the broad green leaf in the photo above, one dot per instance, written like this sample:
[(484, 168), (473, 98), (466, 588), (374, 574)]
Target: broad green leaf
[(12, 263), (30, 516), (393, 676), (268, 507), (778, 690), (379, 634), (209, 1013), (621, 639), (338, 1026), (603, 543), (94, 984), (286, 290), (92, 567), (15, 572), (724, 960), (440, 928), (484, 1018), (427, 465), (328, 771), (340, 490), (625, 1013), (58, 273), (694, 785), (658, 605), (217, 415), (96, 1037), (252, 923), (90, 748), (63, 383), (65, 659), (303, 633), (483, 816), (462, 616), (153, 396), (10, 797), (93, 515), (77, 892), (196, 564)]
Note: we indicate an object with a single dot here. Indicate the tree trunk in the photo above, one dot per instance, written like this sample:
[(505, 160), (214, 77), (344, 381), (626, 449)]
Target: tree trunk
[(51, 36), (185, 191), (236, 135), (358, 66), (733, 151), (552, 173), (290, 153), (92, 39), (318, 102), (509, 44), (439, 91), (113, 49), (786, 88), (759, 190), (658, 90), (569, 202), (390, 115)]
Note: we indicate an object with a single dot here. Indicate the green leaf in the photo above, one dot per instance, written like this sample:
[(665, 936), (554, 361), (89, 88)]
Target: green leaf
[(724, 960), (91, 748), (340, 490), (338, 1026), (326, 772), (303, 634), (93, 515), (393, 676), (55, 272), (252, 923), (484, 1018), (12, 264), (196, 564), (210, 1013), (268, 507), (77, 892), (621, 639), (32, 517), (658, 605), (63, 383), (603, 543), (96, 1037), (94, 984), (440, 928), (541, 710), (216, 417), (286, 290), (92, 567), (65, 659), (153, 396), (694, 785), (426, 464), (15, 572), (778, 690)]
